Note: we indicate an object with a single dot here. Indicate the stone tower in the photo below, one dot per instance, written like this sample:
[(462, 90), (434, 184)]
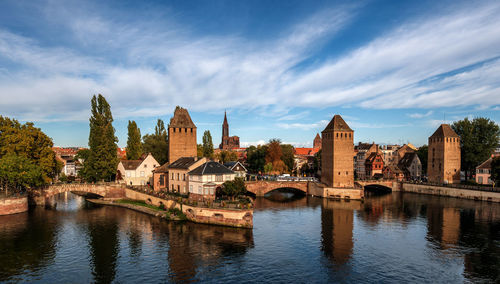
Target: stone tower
[(443, 164), (181, 136), (337, 156), (317, 142), (225, 127), (228, 143)]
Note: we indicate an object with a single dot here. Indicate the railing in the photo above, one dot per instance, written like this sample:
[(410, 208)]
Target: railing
[(458, 186), (10, 194)]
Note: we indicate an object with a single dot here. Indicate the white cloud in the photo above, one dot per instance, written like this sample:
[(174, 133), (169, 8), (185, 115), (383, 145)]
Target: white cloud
[(303, 126), (420, 115), (145, 70)]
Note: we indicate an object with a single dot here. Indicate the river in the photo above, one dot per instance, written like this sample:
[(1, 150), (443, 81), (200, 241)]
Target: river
[(391, 238)]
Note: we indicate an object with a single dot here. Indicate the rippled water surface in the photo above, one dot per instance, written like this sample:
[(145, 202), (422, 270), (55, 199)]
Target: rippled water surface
[(392, 238)]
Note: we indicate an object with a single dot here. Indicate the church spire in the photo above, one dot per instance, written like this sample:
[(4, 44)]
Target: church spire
[(225, 127)]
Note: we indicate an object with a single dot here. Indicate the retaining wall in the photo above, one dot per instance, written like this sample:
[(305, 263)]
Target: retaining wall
[(451, 192), (13, 205)]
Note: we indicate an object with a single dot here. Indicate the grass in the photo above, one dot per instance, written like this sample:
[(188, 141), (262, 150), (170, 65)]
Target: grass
[(138, 203), (172, 211)]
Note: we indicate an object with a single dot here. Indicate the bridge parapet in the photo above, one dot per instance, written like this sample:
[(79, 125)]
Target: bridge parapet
[(392, 184), (107, 190)]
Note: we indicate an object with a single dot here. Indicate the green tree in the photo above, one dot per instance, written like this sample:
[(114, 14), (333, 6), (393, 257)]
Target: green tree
[(157, 143), (495, 170), (478, 139), (288, 156), (256, 158), (268, 168), (25, 140), (226, 156), (199, 150), (234, 188), (18, 173), (102, 161), (134, 145), (422, 154), (208, 145)]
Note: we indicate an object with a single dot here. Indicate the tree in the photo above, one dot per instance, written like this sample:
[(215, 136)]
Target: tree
[(157, 143), (102, 161), (18, 173), (208, 145), (234, 187), (495, 170), (199, 150), (288, 156), (478, 139), (29, 142), (274, 154), (226, 156), (268, 168), (256, 158), (422, 154), (134, 145)]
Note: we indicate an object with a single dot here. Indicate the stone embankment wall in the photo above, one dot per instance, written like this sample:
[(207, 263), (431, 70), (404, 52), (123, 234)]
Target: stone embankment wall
[(451, 192), (217, 216), (13, 205), (319, 189)]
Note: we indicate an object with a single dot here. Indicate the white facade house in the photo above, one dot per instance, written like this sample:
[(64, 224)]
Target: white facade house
[(137, 172), (205, 179)]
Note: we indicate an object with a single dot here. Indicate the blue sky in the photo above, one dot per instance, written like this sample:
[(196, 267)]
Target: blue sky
[(394, 70)]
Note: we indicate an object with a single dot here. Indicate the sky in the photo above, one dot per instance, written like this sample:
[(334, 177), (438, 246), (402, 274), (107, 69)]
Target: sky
[(394, 70)]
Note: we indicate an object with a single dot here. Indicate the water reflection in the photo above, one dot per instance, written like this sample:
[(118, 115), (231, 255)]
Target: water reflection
[(388, 238)]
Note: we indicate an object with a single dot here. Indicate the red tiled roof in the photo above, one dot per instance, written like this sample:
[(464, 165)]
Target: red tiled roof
[(303, 151)]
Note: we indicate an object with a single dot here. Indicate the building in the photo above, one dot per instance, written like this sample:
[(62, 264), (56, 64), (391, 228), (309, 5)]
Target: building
[(181, 136), (178, 171), (363, 150), (483, 172), (71, 165), (317, 142), (389, 153), (411, 166), (137, 172), (444, 156), (160, 178), (237, 168), (337, 154), (406, 148), (374, 165), (228, 142), (392, 171), (206, 179)]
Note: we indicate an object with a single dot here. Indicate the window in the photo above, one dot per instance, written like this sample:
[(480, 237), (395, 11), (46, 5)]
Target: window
[(209, 178), (142, 174), (190, 177), (191, 130), (184, 189), (172, 176), (178, 176), (178, 188), (218, 178), (128, 174), (172, 187), (185, 130), (162, 182), (174, 130), (183, 176), (145, 166), (199, 189), (190, 188)]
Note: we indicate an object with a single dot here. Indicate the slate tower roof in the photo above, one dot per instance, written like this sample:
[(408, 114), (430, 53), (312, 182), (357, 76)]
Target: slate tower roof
[(444, 130), (338, 124), (181, 119)]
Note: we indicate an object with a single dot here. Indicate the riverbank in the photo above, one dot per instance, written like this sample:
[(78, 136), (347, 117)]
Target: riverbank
[(144, 208), (13, 204), (451, 192)]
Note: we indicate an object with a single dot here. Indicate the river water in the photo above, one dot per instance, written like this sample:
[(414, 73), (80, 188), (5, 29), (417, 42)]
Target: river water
[(391, 238)]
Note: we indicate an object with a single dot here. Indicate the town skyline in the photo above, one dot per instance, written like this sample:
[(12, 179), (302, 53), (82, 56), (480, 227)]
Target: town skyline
[(280, 70)]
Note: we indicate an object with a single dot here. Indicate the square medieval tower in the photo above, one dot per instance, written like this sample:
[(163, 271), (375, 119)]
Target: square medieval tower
[(337, 156), (443, 164), (181, 136)]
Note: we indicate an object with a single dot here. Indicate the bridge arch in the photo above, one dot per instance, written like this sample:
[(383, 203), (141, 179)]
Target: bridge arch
[(377, 186), (261, 188), (41, 195)]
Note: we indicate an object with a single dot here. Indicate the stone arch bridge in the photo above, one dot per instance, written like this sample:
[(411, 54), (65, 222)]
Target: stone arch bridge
[(392, 185), (261, 187), (42, 196)]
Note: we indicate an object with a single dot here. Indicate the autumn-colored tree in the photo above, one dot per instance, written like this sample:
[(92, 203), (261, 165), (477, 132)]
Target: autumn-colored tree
[(273, 157), (226, 156)]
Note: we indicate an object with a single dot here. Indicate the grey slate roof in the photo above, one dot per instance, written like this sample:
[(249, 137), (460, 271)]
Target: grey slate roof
[(231, 165), (183, 163), (211, 168), (338, 123)]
